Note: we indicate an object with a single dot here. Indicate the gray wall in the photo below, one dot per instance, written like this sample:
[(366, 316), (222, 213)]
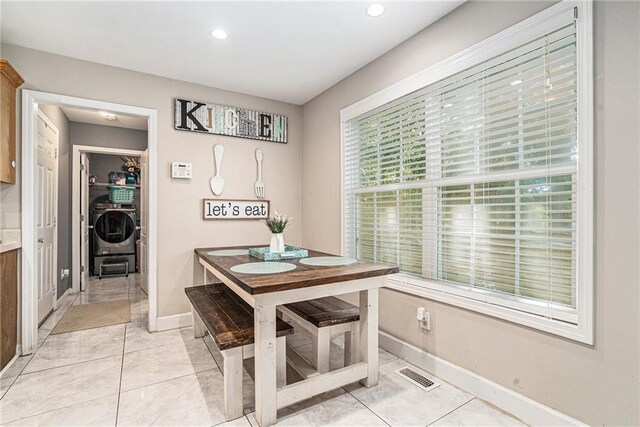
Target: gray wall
[(100, 165), (108, 136), (597, 384), (60, 120)]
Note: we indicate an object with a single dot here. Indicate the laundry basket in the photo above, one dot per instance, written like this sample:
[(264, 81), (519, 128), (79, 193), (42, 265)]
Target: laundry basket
[(121, 194)]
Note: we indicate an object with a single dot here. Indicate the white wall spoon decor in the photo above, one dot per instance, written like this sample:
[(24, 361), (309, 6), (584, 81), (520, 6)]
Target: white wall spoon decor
[(217, 182), (259, 185)]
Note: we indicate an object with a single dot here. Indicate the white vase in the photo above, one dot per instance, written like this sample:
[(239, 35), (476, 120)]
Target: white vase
[(277, 243)]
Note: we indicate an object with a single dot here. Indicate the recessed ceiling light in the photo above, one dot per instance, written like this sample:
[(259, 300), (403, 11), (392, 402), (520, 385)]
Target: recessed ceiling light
[(375, 10), (515, 82), (108, 116), (219, 34)]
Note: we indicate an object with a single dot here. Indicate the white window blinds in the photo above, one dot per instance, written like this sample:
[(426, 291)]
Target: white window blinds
[(471, 182)]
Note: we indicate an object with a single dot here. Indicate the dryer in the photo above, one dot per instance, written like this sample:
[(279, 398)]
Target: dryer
[(114, 238)]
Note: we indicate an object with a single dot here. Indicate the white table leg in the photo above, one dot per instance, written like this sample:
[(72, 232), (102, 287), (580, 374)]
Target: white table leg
[(265, 362), (369, 335), (204, 272)]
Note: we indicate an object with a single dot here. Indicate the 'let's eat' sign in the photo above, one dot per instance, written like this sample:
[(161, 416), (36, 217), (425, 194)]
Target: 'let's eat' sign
[(216, 119), (235, 209)]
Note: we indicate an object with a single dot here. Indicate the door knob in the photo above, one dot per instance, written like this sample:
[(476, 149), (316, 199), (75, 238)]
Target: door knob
[(40, 240)]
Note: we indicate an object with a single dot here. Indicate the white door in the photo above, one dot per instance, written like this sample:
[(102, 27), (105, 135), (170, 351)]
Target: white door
[(47, 206), (85, 221), (144, 220)]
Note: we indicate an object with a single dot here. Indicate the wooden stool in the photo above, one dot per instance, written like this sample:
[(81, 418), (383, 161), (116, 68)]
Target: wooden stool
[(325, 318)]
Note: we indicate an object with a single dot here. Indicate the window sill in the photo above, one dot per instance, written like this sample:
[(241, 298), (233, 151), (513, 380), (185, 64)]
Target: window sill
[(432, 290)]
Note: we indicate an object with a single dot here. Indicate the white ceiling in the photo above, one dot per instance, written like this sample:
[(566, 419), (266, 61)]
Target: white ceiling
[(289, 51), (95, 118)]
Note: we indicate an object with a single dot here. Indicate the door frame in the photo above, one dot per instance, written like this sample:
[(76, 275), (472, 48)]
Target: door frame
[(56, 220), (30, 101), (75, 201)]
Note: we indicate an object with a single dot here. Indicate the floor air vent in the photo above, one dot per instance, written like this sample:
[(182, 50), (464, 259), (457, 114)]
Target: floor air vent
[(416, 378)]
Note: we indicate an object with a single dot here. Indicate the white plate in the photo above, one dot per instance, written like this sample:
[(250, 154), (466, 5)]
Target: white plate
[(268, 267), (327, 261), (229, 252)]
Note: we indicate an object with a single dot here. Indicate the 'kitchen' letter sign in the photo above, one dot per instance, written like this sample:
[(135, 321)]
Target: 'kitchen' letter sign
[(235, 209), (216, 119)]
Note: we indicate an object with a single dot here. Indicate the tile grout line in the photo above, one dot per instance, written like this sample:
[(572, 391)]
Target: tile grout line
[(72, 301), (155, 346), (364, 404), (225, 421), (169, 379), (56, 409), (124, 341), (389, 361), (15, 378), (54, 326), (65, 366), (451, 412), (369, 409), (10, 385)]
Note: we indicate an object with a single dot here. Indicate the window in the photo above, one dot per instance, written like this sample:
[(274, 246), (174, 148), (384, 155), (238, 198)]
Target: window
[(473, 183)]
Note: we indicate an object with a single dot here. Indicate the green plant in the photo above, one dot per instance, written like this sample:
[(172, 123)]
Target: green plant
[(277, 223)]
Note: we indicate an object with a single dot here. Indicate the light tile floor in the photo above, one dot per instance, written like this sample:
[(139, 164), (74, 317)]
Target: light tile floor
[(122, 375)]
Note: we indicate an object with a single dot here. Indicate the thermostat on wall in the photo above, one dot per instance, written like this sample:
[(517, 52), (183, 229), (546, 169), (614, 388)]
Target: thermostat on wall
[(181, 170)]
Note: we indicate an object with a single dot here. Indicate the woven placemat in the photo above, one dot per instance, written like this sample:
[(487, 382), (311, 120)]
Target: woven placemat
[(96, 315)]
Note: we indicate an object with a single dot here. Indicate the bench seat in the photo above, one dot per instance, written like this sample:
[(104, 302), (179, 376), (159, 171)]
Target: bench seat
[(328, 311), (324, 318), (216, 309), (227, 317)]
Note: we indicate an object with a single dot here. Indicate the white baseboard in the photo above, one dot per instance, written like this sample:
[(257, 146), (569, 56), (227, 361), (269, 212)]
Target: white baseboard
[(64, 296), (15, 357), (524, 408), (174, 322)]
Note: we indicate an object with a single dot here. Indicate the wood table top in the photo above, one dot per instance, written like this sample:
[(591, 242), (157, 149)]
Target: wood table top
[(303, 276)]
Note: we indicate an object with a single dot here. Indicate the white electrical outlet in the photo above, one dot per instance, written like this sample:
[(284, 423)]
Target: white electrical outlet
[(424, 318), (64, 273)]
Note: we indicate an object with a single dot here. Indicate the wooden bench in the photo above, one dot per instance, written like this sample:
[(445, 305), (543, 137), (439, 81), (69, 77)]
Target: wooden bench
[(325, 318), (217, 310)]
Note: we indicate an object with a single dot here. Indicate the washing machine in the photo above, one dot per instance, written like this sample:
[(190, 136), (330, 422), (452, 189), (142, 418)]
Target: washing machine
[(114, 239)]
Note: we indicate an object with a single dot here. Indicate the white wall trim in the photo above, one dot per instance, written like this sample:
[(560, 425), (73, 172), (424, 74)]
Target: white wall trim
[(30, 101), (522, 407), (514, 36), (11, 362), (174, 322), (64, 296), (75, 202), (581, 327)]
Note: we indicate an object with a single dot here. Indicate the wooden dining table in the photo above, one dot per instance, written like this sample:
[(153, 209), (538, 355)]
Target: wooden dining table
[(264, 292)]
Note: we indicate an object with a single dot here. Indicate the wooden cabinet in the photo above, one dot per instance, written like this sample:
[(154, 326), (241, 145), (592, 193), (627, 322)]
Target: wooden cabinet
[(9, 82), (8, 306)]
